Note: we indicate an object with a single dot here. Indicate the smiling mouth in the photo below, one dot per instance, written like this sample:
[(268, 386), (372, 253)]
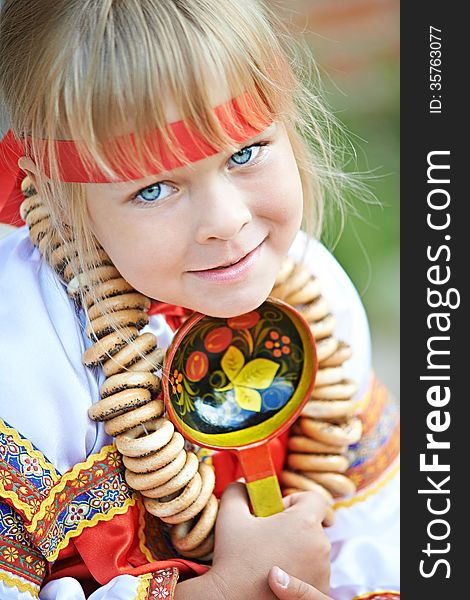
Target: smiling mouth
[(229, 264)]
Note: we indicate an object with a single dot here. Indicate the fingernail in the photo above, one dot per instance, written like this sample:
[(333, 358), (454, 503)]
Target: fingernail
[(281, 577)]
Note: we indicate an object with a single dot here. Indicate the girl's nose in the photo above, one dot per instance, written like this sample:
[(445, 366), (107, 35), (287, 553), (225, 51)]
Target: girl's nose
[(223, 211)]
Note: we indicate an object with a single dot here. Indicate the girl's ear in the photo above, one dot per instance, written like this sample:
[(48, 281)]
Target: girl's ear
[(27, 165)]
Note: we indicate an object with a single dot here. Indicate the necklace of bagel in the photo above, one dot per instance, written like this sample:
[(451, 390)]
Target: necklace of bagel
[(174, 484)]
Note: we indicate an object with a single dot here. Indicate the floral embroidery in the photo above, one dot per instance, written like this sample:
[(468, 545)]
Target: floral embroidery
[(10, 554), (76, 513), (93, 491), (25, 474), (18, 557), (31, 465), (162, 585), (160, 592)]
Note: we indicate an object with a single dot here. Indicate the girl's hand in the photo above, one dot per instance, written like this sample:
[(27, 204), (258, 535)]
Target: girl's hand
[(247, 547), (286, 587)]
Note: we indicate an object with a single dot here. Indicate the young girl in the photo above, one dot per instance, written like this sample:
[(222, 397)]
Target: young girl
[(165, 153)]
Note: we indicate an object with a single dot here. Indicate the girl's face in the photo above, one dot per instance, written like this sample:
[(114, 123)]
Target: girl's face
[(167, 233)]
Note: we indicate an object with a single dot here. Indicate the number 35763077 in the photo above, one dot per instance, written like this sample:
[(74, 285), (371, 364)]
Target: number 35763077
[(435, 56)]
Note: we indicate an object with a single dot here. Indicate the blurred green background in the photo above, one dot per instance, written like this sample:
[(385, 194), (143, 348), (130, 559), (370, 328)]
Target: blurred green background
[(356, 46)]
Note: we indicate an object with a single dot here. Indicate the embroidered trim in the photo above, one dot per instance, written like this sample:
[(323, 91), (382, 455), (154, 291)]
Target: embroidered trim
[(369, 492), (21, 561), (20, 585), (162, 585), (141, 532), (159, 585), (91, 492), (25, 474), (380, 442), (382, 595)]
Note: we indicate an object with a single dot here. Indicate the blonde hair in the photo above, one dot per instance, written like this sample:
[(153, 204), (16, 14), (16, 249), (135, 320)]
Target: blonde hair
[(79, 68)]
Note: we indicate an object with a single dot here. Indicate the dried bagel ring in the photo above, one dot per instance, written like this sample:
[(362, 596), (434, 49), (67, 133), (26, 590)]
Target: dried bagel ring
[(106, 324), (347, 433), (316, 310), (324, 328), (118, 303), (208, 483), (118, 404), (179, 481), (307, 293), (108, 346), (326, 348), (186, 539), (287, 266), (298, 443), (147, 481), (58, 256), (28, 205), (329, 409), (296, 281), (132, 418), (27, 187), (328, 377), (288, 491), (336, 483), (124, 381), (131, 354), (156, 460), (36, 214), (134, 443), (106, 289), (89, 278), (89, 261), (203, 551), (289, 479), (318, 462), (165, 508), (38, 231), (338, 391), (342, 353), (150, 362)]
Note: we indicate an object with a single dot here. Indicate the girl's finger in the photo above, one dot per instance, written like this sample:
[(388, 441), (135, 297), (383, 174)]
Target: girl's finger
[(313, 501), (286, 587), (234, 500)]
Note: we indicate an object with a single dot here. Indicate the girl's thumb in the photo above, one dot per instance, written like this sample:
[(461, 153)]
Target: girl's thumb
[(286, 587)]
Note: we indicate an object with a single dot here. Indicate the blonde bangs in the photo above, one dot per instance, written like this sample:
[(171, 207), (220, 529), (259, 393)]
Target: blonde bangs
[(100, 87)]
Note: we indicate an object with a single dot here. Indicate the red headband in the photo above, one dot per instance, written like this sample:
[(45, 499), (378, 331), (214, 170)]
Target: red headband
[(192, 145)]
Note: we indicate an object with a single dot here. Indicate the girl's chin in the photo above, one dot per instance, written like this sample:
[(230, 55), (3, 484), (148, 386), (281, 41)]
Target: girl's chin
[(231, 308)]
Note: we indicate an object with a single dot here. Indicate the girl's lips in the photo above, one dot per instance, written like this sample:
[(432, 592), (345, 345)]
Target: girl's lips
[(234, 272)]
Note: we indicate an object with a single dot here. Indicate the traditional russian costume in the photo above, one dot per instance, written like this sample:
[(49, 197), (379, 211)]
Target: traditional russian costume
[(70, 527)]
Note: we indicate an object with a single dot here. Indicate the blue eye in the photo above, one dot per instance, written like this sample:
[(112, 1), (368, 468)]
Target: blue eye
[(246, 155), (154, 192), (150, 193), (243, 156)]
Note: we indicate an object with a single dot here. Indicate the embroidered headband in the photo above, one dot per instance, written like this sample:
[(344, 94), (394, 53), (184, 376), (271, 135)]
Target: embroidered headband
[(234, 119)]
